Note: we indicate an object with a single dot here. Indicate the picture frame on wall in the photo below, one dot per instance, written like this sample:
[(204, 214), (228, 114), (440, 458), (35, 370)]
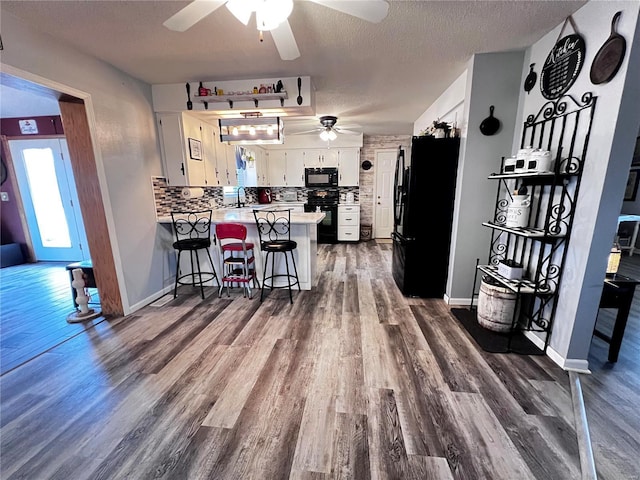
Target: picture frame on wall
[(195, 149), (631, 190)]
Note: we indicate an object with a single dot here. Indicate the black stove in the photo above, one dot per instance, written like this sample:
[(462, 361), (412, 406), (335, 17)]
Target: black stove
[(329, 196), (325, 200)]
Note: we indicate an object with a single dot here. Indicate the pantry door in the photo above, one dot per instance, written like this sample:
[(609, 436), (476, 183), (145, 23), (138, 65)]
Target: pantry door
[(385, 170), (48, 191)]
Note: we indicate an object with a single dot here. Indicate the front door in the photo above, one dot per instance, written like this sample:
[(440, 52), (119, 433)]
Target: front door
[(48, 191), (385, 170)]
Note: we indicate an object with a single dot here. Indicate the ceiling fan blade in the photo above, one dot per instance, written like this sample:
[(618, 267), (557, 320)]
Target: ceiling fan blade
[(192, 14), (370, 10), (285, 41), (342, 131), (306, 132)]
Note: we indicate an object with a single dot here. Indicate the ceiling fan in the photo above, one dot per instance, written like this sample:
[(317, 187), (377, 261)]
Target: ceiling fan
[(327, 129), (272, 15)]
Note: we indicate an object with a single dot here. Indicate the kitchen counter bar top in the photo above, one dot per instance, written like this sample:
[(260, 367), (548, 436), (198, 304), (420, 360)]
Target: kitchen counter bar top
[(304, 231), (245, 216)]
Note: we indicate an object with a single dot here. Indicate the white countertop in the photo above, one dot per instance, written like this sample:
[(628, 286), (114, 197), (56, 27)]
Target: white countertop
[(245, 215)]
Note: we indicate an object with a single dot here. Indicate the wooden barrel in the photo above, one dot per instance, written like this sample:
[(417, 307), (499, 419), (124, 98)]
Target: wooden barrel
[(496, 305)]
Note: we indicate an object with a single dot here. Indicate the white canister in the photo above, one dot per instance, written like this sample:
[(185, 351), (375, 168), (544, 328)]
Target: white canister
[(518, 211), (539, 161), (509, 165), (350, 197), (522, 159)]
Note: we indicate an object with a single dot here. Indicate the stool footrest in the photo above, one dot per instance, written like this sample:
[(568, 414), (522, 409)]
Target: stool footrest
[(195, 278)]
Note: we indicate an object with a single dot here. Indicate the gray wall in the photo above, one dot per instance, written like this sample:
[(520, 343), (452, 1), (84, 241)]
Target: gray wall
[(494, 79), (125, 144)]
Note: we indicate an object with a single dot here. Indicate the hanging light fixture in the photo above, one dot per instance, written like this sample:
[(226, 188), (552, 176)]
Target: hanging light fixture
[(269, 13), (252, 128)]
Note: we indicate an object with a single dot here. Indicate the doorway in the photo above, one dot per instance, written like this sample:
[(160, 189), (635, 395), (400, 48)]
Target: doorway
[(50, 200), (383, 206)]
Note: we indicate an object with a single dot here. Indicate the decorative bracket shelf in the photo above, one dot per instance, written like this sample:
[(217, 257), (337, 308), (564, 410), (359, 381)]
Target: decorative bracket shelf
[(255, 97)]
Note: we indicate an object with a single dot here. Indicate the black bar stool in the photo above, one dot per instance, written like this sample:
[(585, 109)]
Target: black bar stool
[(193, 233), (274, 228)]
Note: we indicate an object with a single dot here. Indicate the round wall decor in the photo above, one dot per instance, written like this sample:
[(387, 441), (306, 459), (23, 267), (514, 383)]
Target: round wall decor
[(366, 165), (562, 66)]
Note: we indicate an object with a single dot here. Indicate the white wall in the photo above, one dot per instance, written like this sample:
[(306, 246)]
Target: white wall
[(449, 107), (493, 79), (616, 121), (127, 151)]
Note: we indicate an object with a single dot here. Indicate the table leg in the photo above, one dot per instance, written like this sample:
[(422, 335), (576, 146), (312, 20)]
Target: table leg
[(634, 237), (619, 326)]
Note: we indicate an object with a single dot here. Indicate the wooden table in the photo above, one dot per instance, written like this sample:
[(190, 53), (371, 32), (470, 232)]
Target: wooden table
[(617, 293), (635, 219)]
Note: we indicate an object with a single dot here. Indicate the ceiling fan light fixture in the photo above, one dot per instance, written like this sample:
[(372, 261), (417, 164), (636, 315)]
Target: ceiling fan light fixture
[(242, 9), (328, 135), (271, 13)]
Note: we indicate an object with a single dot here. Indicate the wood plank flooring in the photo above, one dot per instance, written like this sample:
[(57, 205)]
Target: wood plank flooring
[(352, 381), (612, 391), (35, 299)]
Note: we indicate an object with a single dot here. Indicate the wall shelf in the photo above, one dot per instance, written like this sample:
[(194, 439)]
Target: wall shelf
[(253, 97), (537, 233)]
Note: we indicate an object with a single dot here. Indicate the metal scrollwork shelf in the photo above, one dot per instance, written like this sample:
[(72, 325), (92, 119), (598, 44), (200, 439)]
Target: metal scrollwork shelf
[(563, 127)]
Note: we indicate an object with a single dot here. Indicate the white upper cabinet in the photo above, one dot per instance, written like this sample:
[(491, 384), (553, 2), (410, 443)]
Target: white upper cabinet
[(181, 148), (286, 168), (262, 167), (277, 168), (210, 146), (295, 168), (230, 173), (348, 167), (320, 157)]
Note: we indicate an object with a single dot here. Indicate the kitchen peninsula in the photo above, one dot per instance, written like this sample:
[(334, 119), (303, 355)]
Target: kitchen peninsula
[(304, 231)]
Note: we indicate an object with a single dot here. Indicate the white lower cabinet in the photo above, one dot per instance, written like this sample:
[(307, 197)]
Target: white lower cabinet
[(348, 223)]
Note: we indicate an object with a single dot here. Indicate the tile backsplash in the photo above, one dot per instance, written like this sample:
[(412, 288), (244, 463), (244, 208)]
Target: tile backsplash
[(169, 198)]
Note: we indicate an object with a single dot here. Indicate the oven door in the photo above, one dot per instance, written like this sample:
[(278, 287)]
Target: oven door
[(328, 227)]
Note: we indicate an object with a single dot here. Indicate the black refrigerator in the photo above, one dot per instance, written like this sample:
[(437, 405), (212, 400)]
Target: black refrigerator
[(424, 193)]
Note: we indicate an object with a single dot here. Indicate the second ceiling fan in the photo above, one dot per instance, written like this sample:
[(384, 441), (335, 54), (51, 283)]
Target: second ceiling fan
[(272, 15), (328, 130)]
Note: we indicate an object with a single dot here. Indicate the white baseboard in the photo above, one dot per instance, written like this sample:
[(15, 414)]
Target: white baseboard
[(464, 302), (569, 364), (151, 298)]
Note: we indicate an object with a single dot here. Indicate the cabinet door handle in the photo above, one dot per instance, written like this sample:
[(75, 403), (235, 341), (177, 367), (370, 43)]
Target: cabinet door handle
[(348, 219), (182, 168)]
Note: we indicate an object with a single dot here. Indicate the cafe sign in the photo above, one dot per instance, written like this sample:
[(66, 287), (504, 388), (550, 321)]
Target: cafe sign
[(562, 66)]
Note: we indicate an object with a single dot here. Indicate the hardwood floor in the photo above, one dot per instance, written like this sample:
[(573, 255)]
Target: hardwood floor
[(351, 381), (35, 299), (612, 391)]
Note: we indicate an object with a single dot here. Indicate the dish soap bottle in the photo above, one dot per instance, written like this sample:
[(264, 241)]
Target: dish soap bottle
[(202, 91)]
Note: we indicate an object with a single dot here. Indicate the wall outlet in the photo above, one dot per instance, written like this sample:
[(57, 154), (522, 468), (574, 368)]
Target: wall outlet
[(4, 196)]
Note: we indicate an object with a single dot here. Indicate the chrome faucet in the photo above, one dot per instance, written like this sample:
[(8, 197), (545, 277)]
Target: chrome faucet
[(241, 204)]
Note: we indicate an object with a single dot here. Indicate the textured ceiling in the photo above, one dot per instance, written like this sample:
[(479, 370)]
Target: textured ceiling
[(379, 76)]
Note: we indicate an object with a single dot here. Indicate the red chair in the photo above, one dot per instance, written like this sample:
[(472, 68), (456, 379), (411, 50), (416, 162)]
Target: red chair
[(238, 261)]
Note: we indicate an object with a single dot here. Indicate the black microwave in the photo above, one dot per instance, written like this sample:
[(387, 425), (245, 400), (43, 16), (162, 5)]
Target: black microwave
[(320, 177)]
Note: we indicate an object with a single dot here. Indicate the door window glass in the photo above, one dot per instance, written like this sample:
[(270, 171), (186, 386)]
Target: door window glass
[(47, 203)]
